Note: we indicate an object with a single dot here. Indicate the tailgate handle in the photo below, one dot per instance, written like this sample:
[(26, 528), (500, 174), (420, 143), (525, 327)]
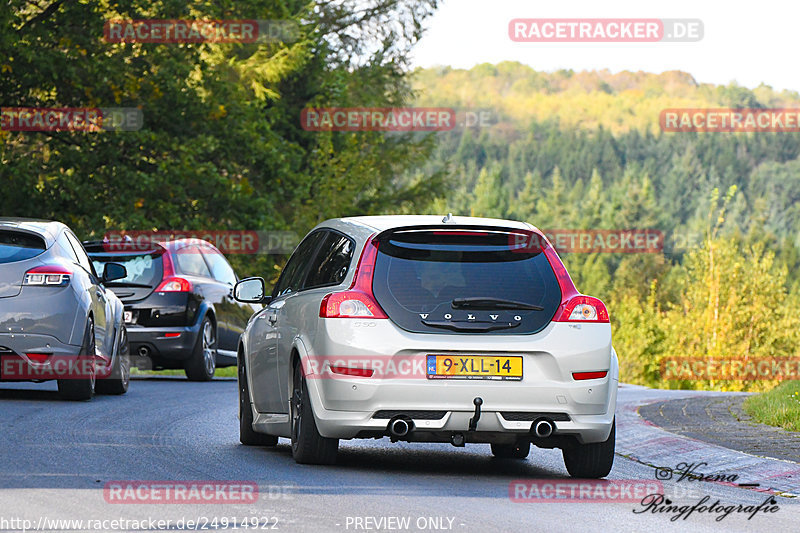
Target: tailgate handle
[(471, 325)]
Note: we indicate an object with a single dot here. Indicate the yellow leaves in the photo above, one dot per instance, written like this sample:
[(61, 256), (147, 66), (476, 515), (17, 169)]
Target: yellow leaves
[(263, 93), (5, 68), (219, 113), (138, 204)]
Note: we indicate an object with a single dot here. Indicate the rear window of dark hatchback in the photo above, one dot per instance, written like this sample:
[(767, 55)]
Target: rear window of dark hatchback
[(143, 268), (418, 274), (19, 246)]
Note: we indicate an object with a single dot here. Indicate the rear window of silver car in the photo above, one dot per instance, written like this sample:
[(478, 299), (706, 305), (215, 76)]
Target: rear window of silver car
[(419, 274), (19, 246)]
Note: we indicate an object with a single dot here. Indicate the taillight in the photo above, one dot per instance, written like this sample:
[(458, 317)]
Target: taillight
[(358, 301), (171, 282), (38, 357), (175, 285), (47, 275), (582, 309), (565, 282), (579, 376), (356, 372), (574, 307)]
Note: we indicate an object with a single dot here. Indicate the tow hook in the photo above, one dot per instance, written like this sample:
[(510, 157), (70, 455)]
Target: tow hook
[(473, 422)]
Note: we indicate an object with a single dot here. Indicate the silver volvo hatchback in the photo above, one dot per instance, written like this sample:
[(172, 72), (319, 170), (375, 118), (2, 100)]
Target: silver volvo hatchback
[(428, 329)]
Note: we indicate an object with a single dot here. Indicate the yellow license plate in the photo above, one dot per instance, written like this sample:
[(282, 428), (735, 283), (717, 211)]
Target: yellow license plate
[(474, 367)]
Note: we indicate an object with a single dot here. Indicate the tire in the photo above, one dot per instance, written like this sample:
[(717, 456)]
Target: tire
[(308, 446), (203, 362), (119, 379), (247, 435), (591, 461), (82, 389), (520, 450)]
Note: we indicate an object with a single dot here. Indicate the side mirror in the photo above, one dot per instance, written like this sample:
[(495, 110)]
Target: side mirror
[(113, 271), (251, 291)]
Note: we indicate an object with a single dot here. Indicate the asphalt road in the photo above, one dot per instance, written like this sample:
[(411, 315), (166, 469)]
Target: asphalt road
[(57, 457)]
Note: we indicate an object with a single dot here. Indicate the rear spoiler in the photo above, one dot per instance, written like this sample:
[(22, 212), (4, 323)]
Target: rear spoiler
[(456, 228), (528, 239), (106, 247)]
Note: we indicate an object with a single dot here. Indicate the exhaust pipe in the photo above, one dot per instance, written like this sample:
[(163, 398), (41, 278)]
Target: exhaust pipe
[(400, 427), (543, 428), (144, 351)]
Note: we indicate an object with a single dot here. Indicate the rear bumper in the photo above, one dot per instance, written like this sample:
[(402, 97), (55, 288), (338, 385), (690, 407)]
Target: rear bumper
[(588, 407), (345, 406), (14, 346), (56, 315), (173, 343), (169, 344), (492, 426)]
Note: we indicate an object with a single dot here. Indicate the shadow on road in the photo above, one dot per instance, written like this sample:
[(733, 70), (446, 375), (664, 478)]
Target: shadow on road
[(30, 394)]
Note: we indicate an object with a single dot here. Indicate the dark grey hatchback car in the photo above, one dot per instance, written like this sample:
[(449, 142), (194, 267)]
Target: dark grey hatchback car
[(179, 305), (57, 320)]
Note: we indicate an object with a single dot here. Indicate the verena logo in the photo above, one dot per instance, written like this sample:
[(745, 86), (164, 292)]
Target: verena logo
[(629, 241), (604, 30), (582, 490), (731, 369), (88, 119), (730, 120), (180, 492), (378, 119), (199, 31), (46, 366), (227, 241)]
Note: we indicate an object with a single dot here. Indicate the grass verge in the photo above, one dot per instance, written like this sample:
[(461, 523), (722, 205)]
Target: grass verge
[(778, 407), (227, 372)]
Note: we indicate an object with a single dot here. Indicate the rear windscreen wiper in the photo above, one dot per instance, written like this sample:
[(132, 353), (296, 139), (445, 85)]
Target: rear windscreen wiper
[(474, 326), (493, 303)]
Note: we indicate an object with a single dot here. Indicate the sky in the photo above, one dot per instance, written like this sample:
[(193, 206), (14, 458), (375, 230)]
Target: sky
[(747, 42)]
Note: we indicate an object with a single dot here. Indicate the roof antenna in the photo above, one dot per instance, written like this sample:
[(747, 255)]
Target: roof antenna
[(448, 219)]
